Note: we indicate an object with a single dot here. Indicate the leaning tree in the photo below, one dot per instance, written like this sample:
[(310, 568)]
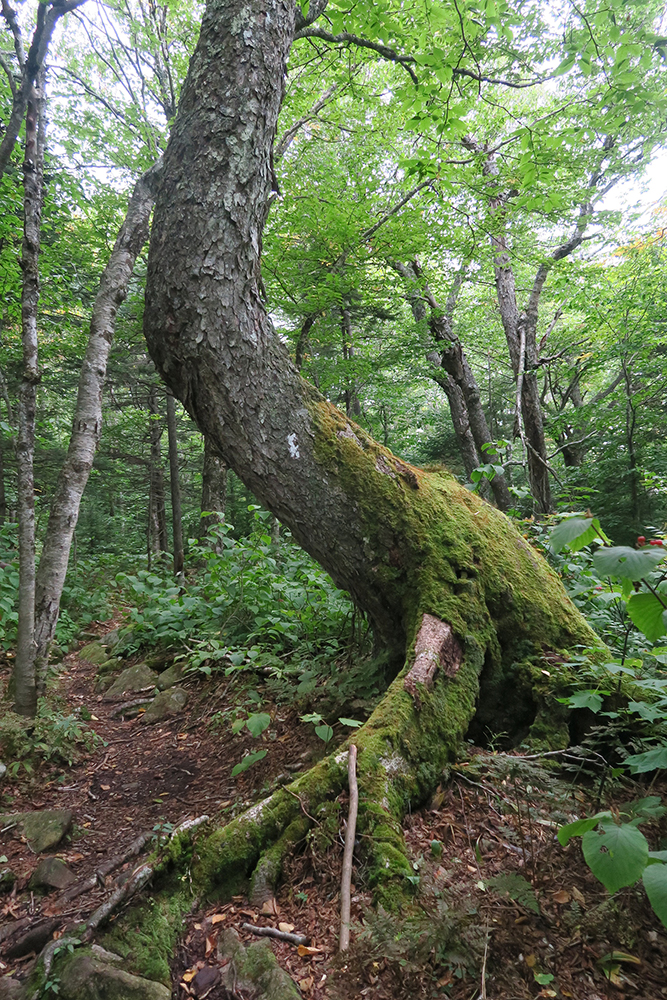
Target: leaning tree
[(464, 607), (472, 620)]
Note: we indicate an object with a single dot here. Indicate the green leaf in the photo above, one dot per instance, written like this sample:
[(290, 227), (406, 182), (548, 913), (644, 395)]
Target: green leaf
[(650, 760), (313, 717), (352, 723), (655, 883), (585, 699), (627, 563), (580, 827), (248, 761), (324, 732), (617, 856), (258, 723), (575, 532), (648, 614)]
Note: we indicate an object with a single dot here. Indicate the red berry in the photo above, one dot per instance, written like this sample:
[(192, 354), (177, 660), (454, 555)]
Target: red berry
[(641, 540), (656, 541)]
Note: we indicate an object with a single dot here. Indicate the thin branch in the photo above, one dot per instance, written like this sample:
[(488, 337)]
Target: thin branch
[(10, 17), (346, 879), (285, 140), (10, 74), (346, 38)]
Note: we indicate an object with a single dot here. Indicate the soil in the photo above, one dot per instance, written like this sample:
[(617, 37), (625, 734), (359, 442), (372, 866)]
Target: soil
[(560, 936)]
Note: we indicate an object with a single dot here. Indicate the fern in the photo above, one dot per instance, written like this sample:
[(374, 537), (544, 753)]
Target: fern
[(516, 887)]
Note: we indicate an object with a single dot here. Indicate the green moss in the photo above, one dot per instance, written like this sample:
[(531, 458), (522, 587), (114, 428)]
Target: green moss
[(146, 935)]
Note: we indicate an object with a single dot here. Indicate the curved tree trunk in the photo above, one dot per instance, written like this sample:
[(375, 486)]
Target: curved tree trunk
[(466, 608)]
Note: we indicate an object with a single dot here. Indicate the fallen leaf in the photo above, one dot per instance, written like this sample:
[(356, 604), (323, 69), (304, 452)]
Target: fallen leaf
[(250, 914), (188, 976), (287, 928), (197, 927), (270, 908), (210, 945), (562, 896), (304, 950), (217, 918), (182, 736), (579, 896), (105, 788), (445, 980), (306, 984), (531, 961)]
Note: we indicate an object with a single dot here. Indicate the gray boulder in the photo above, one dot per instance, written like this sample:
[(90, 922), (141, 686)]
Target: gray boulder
[(43, 829), (51, 873), (172, 675), (132, 680), (88, 978), (169, 702), (94, 652)]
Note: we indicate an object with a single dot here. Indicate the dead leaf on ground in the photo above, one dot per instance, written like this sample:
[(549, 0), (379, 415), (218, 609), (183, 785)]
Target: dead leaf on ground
[(286, 928), (211, 942), (217, 918), (562, 896), (270, 908), (304, 950), (306, 984), (188, 976), (579, 896)]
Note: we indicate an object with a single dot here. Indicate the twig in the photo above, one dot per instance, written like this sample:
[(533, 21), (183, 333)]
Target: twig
[(303, 808), (482, 995), (275, 933), (346, 880)]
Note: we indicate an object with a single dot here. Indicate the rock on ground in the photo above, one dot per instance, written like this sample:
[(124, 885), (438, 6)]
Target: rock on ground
[(88, 978), (51, 873), (169, 702), (132, 680), (43, 829)]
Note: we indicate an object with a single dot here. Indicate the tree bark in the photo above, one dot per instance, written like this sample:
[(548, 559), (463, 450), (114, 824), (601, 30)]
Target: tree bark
[(25, 685), (175, 485), (462, 603), (87, 421), (213, 490), (158, 512)]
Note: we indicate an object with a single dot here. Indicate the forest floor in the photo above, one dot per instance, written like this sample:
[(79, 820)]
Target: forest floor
[(501, 910)]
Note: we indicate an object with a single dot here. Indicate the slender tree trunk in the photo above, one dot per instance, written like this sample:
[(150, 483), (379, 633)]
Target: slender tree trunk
[(463, 604), (460, 420), (158, 507), (633, 469), (25, 686), (465, 405), (3, 496), (87, 421), (213, 490), (175, 484), (352, 405)]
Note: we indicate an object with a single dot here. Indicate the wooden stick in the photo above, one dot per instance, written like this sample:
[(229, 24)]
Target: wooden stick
[(275, 933), (346, 880)]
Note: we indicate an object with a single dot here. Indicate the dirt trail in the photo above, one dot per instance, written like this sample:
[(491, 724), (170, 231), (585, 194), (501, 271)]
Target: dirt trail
[(148, 779)]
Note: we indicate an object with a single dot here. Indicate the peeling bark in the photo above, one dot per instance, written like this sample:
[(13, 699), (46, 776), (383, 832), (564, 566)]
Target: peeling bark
[(87, 421), (25, 683), (436, 648)]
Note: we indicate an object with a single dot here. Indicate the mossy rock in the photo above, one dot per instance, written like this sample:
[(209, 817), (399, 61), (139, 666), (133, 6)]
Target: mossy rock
[(87, 978), (43, 829), (169, 702), (94, 652), (132, 680), (171, 676), (111, 639), (159, 658), (51, 873), (7, 880), (10, 988), (110, 666), (255, 968)]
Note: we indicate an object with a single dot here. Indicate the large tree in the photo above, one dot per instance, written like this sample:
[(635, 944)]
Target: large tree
[(454, 592)]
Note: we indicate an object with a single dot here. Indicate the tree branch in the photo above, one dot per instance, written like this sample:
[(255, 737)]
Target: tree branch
[(346, 38)]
